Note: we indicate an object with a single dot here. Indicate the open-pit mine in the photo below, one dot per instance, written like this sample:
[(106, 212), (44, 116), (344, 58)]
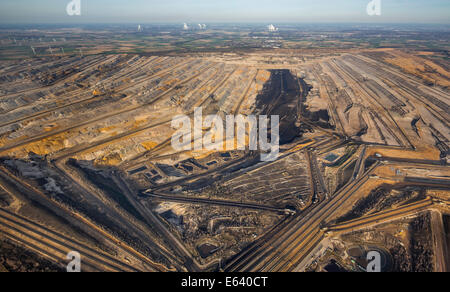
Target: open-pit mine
[(87, 165)]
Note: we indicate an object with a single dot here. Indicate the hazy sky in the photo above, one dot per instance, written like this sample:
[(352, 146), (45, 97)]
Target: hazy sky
[(267, 11)]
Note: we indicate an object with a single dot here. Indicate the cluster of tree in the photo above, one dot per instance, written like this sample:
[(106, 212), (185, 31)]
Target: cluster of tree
[(421, 246)]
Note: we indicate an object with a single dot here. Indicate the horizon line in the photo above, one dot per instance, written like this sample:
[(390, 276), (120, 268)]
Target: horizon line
[(216, 23)]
